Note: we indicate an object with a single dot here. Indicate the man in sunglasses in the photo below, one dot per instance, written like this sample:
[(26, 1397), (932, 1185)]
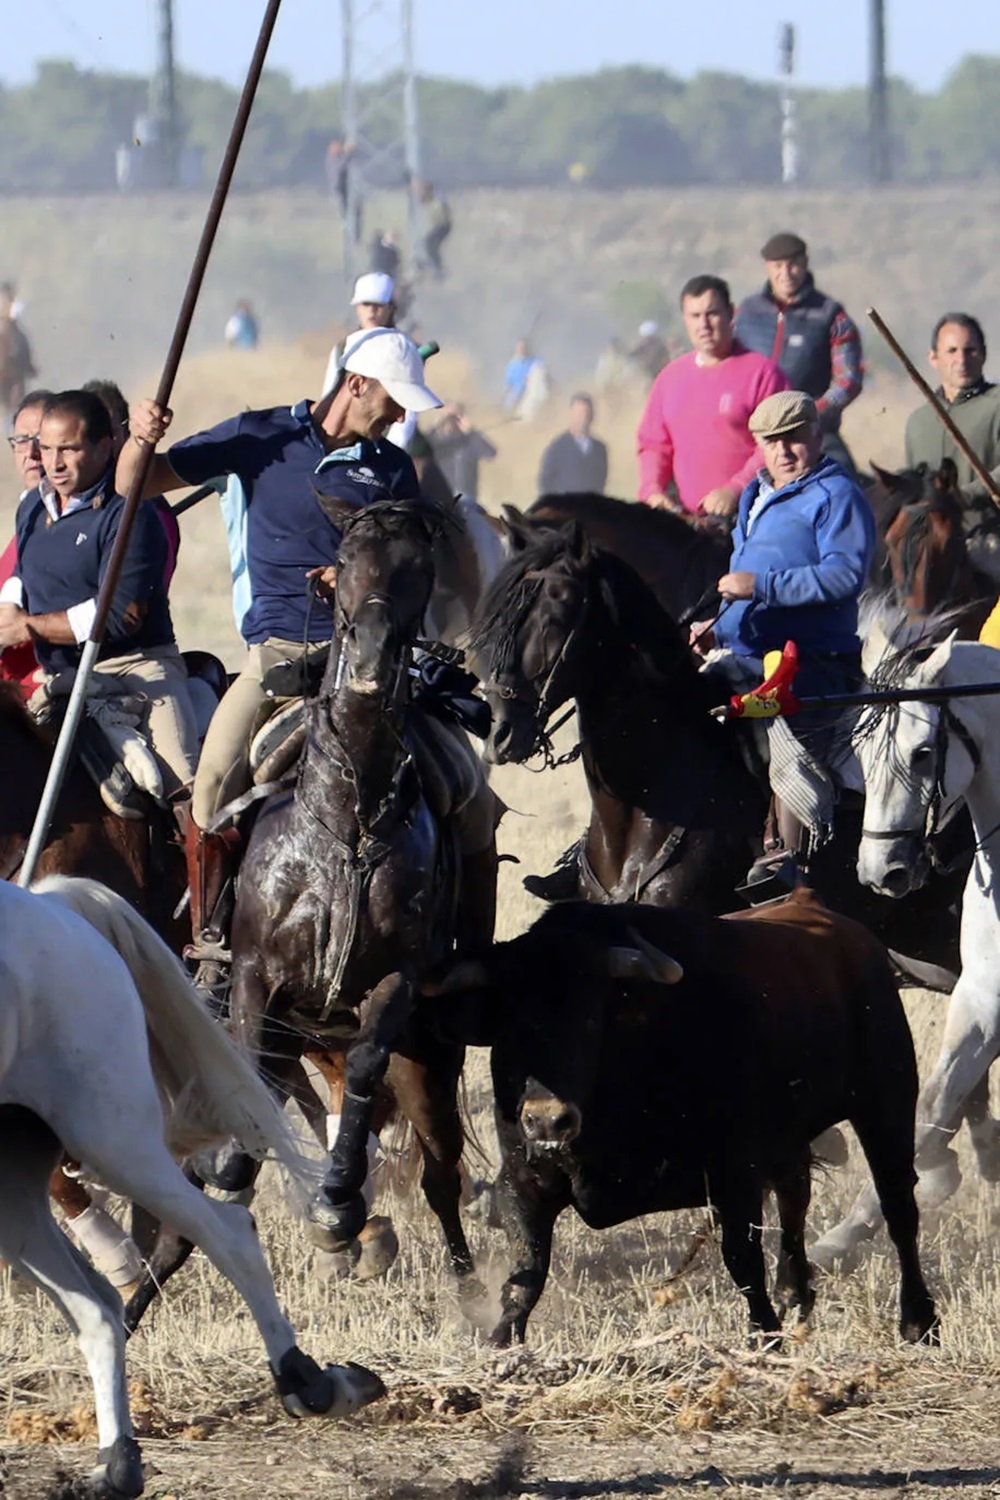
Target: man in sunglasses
[(19, 663)]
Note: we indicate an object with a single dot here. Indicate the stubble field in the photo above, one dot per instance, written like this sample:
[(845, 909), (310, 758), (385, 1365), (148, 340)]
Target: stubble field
[(631, 1384)]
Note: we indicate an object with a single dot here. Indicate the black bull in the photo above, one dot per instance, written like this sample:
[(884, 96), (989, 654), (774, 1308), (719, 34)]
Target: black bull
[(622, 1089)]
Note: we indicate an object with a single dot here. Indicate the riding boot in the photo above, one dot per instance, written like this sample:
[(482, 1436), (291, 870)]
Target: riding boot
[(779, 869), (563, 884), (475, 918), (211, 866)]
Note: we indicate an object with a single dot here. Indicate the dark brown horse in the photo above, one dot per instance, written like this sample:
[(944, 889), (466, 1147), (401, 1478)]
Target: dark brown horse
[(675, 811), (348, 890), (678, 560), (923, 515)]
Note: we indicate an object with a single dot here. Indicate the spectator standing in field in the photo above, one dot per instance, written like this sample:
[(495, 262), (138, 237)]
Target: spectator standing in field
[(459, 449), (525, 382), (383, 253), (693, 432), (650, 354), (807, 333), (242, 331), (436, 227), (575, 463)]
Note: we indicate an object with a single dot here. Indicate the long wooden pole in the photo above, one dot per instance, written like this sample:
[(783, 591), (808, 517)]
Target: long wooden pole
[(75, 706), (941, 412)]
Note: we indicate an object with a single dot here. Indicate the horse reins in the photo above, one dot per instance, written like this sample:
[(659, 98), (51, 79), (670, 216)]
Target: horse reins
[(948, 723)]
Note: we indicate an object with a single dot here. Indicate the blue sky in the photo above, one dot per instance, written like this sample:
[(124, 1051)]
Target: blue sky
[(514, 41)]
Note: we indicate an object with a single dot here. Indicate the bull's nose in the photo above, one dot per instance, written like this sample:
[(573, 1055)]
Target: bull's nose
[(549, 1122)]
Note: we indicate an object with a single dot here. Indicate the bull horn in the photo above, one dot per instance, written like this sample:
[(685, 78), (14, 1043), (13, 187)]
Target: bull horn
[(472, 974), (643, 961)]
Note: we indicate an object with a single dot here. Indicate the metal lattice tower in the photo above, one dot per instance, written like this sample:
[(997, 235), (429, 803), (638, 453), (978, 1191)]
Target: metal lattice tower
[(380, 116)]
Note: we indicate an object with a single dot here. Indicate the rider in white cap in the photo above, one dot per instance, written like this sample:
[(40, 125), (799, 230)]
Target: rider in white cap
[(272, 468)]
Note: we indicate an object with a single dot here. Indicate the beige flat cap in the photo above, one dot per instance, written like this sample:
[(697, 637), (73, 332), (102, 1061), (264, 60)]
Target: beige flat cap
[(782, 413)]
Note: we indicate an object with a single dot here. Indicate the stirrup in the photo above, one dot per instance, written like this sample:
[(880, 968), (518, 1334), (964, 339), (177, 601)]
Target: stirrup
[(770, 878), (203, 950), (121, 796), (563, 883)]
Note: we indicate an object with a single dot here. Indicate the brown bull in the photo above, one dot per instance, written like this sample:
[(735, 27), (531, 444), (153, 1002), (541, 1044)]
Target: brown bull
[(646, 1059)]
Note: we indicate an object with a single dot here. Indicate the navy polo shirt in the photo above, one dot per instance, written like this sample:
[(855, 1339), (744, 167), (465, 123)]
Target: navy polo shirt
[(269, 467), (63, 562)]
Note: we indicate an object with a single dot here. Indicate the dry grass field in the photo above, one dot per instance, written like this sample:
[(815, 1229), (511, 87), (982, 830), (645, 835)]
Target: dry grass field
[(632, 1384)]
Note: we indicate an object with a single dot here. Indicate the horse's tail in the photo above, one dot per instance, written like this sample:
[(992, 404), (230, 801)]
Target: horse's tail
[(209, 1088)]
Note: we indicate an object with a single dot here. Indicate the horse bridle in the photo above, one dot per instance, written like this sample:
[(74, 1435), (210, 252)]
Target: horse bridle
[(948, 724), (507, 691)]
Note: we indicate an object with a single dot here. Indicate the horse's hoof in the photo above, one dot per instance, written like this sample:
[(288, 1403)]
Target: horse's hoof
[(333, 1265), (378, 1248), (342, 1221), (120, 1475), (227, 1168), (838, 1250), (936, 1184), (922, 1330), (471, 1292), (337, 1391)]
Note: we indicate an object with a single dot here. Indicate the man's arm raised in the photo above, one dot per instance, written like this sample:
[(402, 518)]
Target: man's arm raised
[(148, 423)]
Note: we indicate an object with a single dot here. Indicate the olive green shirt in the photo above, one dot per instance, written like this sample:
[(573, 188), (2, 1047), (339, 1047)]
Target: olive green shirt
[(977, 417)]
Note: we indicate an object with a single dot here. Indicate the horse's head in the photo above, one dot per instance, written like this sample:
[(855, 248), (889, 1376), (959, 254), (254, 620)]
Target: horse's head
[(924, 539), (385, 574), (917, 760), (526, 640)]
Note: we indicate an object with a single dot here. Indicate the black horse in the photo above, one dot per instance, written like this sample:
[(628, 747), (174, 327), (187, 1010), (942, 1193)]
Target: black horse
[(680, 560), (348, 893), (676, 812)]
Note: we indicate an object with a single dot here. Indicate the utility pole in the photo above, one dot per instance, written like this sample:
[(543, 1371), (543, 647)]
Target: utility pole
[(163, 97), (789, 137), (880, 165), (380, 114)]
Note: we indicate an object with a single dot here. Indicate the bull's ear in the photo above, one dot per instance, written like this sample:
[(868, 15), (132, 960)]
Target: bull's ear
[(643, 961), (517, 529)]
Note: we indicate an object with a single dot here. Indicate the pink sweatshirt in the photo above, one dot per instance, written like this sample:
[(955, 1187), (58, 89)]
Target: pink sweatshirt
[(694, 428)]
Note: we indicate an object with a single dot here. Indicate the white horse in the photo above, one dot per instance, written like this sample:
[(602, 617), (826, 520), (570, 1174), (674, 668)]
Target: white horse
[(920, 760), (111, 1056)]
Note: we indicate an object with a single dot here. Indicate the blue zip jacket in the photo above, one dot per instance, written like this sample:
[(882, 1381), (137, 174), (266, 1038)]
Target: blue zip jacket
[(809, 547)]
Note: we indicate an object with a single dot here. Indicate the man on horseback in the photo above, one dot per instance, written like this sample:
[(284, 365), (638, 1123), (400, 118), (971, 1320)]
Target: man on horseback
[(275, 467), (958, 354), (802, 548), (66, 528)]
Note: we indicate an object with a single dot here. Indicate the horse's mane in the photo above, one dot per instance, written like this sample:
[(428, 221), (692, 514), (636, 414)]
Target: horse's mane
[(646, 630), (664, 525), (906, 645), (388, 515)]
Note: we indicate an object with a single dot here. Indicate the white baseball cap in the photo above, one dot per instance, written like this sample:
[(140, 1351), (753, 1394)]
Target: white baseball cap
[(393, 359), (373, 287)]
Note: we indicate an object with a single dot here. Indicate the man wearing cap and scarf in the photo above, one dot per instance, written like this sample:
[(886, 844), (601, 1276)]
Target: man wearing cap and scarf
[(807, 333), (802, 547), (272, 466)]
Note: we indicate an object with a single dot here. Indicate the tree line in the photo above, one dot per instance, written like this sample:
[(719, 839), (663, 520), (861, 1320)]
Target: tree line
[(621, 127)]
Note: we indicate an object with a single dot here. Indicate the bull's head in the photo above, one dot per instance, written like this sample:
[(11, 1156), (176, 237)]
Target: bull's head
[(483, 1003)]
